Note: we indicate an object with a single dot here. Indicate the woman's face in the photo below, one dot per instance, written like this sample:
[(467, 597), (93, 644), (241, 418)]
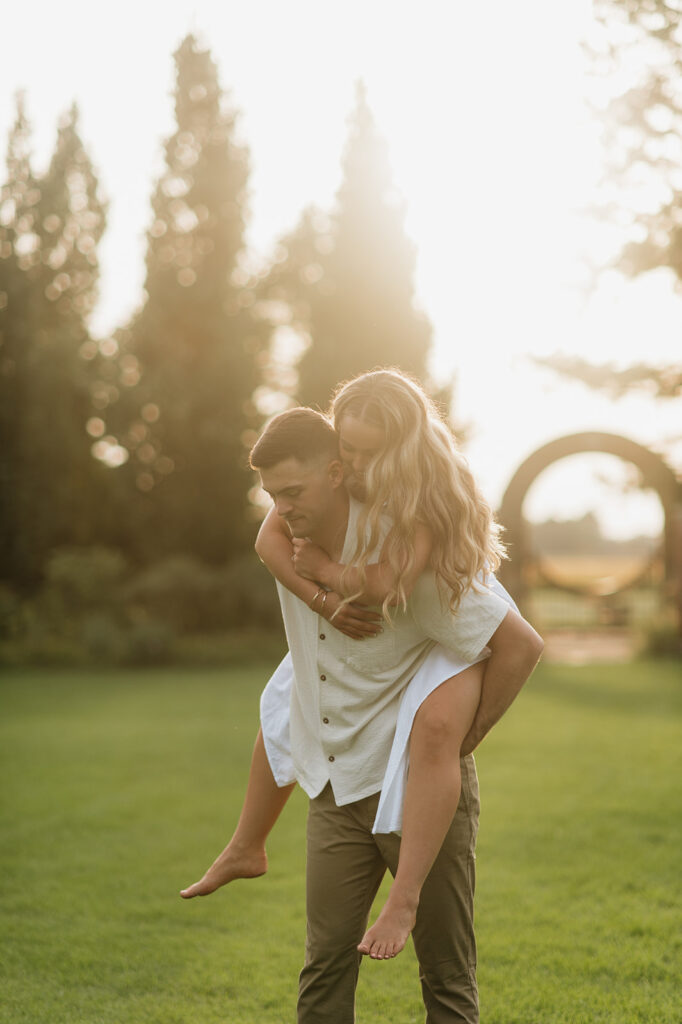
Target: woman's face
[(359, 444)]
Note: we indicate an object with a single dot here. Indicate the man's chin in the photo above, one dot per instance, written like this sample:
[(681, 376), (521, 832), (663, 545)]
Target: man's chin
[(299, 529)]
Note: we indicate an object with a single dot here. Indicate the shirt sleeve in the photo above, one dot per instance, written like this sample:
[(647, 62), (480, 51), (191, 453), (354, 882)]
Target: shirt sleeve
[(467, 631)]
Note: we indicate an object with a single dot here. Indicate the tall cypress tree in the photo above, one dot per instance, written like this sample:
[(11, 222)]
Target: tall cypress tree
[(50, 228), (350, 282), (197, 338)]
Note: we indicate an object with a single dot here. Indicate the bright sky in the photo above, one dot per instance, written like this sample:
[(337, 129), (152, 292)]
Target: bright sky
[(490, 144)]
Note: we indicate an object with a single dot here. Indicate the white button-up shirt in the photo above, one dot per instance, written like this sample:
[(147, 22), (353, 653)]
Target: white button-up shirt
[(346, 693)]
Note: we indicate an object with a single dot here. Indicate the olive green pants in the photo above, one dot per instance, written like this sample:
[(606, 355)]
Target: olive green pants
[(344, 869)]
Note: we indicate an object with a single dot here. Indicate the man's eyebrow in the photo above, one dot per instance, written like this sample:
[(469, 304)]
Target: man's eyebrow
[(291, 487)]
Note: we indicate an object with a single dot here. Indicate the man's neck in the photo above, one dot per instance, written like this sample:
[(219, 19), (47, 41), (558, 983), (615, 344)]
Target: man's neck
[(332, 533)]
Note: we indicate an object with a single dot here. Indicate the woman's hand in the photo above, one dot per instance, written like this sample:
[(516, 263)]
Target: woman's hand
[(310, 560), (354, 620)]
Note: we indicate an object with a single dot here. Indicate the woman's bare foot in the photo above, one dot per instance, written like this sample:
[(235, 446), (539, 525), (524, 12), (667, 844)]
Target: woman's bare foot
[(390, 931), (233, 862)]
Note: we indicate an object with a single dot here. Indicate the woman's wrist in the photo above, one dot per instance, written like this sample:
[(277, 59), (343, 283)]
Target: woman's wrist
[(329, 574), (318, 601)]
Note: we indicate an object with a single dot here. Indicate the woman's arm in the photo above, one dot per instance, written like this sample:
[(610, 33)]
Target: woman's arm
[(275, 550), (313, 562)]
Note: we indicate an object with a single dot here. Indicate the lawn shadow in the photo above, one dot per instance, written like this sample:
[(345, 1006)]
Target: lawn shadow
[(644, 687)]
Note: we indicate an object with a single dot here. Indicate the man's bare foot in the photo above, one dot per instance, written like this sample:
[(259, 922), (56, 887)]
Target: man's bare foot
[(232, 863), (390, 931)]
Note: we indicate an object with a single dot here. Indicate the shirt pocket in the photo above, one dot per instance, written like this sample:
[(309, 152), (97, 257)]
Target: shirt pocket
[(374, 655)]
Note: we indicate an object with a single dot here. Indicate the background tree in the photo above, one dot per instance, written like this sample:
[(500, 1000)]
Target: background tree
[(636, 54), (192, 354), (49, 229), (659, 381), (347, 279)]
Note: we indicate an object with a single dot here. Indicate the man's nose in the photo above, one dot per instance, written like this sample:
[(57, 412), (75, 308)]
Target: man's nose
[(283, 506), (360, 463)]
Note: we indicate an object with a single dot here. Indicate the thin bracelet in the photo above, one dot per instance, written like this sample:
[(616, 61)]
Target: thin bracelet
[(324, 598), (321, 590)]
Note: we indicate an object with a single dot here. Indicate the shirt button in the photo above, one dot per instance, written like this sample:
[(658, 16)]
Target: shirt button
[(331, 757), (322, 636), (323, 678), (326, 721)]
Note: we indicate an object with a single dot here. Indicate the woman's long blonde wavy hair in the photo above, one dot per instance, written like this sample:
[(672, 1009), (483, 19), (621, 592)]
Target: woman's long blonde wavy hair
[(419, 475)]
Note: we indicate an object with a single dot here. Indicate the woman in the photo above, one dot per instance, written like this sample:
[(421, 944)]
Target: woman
[(400, 460)]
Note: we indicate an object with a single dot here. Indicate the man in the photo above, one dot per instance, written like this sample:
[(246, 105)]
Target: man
[(344, 708)]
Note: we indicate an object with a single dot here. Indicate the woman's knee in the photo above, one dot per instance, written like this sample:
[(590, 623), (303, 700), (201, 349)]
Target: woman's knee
[(439, 723), (445, 716), (434, 726)]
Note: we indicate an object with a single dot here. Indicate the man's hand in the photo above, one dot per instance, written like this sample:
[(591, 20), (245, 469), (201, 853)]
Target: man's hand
[(310, 560), (516, 648)]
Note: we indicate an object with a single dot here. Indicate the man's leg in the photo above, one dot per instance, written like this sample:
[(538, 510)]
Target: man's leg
[(344, 870), (444, 933), (431, 799)]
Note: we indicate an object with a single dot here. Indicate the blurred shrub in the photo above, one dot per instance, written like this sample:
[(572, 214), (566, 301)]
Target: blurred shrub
[(248, 595), (93, 609), (104, 640), (34, 641), (79, 580), (193, 597), (236, 647), (11, 613), (661, 640), (180, 591), (150, 643)]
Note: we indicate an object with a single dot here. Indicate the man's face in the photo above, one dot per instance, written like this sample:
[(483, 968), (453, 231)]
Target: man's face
[(303, 492), (359, 444)]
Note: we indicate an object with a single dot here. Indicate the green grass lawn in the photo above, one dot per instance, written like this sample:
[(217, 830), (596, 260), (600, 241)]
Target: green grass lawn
[(119, 788)]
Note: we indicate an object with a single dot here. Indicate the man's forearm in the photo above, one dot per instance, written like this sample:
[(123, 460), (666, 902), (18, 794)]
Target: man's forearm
[(516, 648)]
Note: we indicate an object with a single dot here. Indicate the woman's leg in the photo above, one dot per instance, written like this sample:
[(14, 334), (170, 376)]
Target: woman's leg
[(244, 856), (431, 798)]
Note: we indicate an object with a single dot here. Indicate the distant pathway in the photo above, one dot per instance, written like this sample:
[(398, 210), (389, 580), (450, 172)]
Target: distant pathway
[(579, 647)]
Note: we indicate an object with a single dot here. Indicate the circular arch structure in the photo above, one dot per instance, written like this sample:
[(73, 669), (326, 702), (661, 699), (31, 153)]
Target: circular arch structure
[(656, 474)]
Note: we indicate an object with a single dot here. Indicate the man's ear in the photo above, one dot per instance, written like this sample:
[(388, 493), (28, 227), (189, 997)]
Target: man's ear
[(335, 471)]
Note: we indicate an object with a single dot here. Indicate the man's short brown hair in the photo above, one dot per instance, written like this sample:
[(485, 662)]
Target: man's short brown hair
[(301, 434)]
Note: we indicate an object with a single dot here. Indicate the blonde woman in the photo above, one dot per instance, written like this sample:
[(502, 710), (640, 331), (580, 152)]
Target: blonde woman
[(401, 460)]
